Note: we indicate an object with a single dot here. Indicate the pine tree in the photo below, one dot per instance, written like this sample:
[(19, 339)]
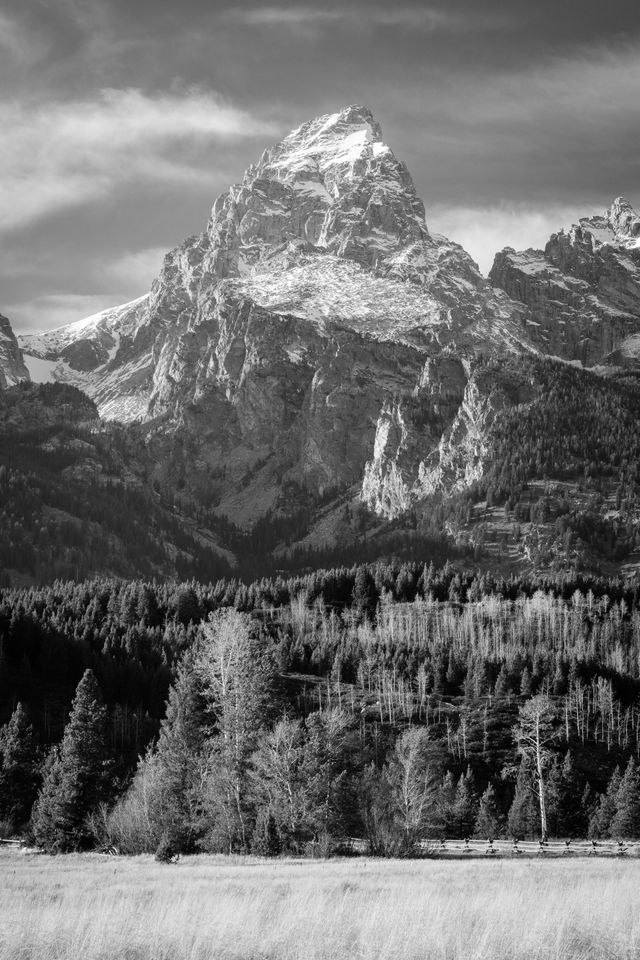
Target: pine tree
[(526, 686), (328, 763), (570, 812), (626, 822), (503, 683), (181, 757), (19, 774), (605, 811), (266, 841), (76, 777), (524, 813), (465, 806), (446, 803), (489, 822)]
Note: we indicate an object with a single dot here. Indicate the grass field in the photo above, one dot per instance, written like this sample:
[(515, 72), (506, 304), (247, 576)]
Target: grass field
[(89, 907)]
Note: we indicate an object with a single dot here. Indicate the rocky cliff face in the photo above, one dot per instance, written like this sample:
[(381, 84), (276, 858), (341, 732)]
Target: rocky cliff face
[(12, 367), (583, 290), (316, 334)]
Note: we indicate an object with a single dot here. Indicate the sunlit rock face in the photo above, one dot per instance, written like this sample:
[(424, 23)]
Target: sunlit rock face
[(12, 366), (316, 333), (583, 290)]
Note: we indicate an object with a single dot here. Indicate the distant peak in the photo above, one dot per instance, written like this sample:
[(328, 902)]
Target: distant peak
[(357, 113), (337, 126), (623, 219)]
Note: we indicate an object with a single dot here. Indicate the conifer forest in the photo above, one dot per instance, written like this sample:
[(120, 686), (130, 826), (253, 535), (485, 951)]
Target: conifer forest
[(375, 708)]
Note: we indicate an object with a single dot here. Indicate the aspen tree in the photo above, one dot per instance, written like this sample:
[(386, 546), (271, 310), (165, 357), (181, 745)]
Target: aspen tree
[(536, 730)]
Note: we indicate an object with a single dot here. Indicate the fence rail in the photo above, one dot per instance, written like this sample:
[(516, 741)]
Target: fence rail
[(534, 848)]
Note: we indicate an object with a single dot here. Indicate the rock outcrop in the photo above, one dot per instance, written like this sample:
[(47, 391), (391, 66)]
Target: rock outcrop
[(583, 291), (12, 366), (316, 334)]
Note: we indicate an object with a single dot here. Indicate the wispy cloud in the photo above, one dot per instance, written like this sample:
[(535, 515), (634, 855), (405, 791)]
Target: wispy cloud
[(283, 16), (559, 131), (311, 19), (133, 272), (483, 230), (55, 155), (55, 310), (111, 280), (19, 46)]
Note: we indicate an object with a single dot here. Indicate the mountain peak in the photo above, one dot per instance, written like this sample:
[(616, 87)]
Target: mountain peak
[(332, 184), (340, 147), (623, 219)]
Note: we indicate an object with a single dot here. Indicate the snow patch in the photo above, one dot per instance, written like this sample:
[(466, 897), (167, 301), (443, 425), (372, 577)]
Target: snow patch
[(41, 371)]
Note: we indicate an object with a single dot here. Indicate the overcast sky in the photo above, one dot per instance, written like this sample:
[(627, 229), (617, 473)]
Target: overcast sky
[(121, 120)]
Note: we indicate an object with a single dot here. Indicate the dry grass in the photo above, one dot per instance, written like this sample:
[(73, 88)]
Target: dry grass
[(89, 907)]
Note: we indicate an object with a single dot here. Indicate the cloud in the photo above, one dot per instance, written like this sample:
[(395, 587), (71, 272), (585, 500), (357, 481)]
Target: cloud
[(133, 272), (484, 230), (19, 46), (283, 16), (562, 131), (55, 310), (55, 155), (307, 19), (110, 282)]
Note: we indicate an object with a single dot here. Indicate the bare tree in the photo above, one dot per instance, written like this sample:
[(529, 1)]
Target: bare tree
[(413, 777), (538, 727), (238, 684)]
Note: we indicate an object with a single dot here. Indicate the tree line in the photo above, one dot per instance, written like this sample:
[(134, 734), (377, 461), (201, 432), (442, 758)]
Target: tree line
[(385, 702)]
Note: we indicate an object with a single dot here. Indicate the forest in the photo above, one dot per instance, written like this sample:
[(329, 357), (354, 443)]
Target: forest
[(390, 703)]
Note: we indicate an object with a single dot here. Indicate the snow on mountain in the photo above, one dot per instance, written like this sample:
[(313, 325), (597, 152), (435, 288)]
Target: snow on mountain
[(315, 308), (97, 354)]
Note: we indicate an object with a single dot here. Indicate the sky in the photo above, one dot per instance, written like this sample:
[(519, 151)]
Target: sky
[(122, 120)]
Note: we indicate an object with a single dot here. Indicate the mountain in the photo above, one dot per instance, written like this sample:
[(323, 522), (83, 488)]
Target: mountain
[(278, 343), (319, 378), (583, 291), (12, 367), (74, 500)]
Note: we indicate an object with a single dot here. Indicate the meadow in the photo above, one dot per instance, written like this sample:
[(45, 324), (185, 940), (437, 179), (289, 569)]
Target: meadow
[(91, 907)]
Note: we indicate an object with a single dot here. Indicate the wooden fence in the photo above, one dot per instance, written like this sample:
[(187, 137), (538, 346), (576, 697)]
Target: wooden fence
[(532, 848)]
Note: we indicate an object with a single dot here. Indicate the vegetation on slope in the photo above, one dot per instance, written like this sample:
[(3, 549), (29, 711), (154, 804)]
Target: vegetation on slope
[(350, 677)]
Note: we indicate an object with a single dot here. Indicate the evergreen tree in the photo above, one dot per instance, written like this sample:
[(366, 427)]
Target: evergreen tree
[(567, 789), (328, 772), (76, 778), (181, 758), (626, 822), (19, 774), (465, 806), (265, 841), (489, 822), (526, 686), (606, 806), (446, 803), (524, 812)]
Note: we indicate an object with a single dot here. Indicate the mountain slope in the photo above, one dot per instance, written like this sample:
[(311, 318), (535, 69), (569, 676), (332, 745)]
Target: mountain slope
[(273, 344), (318, 378), (74, 500), (583, 291), (12, 366)]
